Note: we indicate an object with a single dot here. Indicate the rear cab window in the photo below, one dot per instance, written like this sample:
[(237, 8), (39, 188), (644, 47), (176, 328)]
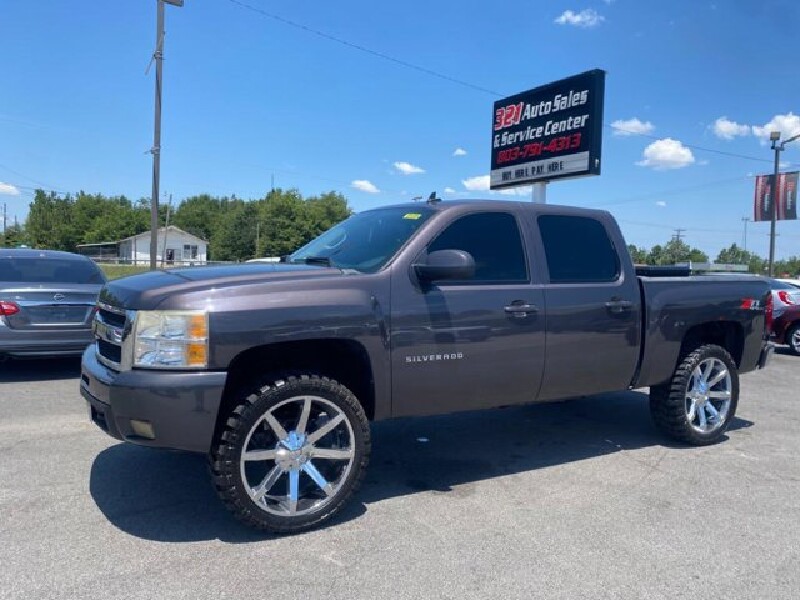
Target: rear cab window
[(47, 270), (578, 250)]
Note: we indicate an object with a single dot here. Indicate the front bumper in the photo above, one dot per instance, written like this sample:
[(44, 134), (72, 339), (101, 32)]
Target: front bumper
[(180, 407), (766, 353)]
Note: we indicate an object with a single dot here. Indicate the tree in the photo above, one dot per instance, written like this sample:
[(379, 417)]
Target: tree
[(234, 235), (675, 251), (199, 215), (50, 223), (638, 255), (734, 255), (13, 236)]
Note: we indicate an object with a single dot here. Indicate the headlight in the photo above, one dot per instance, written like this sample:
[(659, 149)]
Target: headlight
[(171, 339)]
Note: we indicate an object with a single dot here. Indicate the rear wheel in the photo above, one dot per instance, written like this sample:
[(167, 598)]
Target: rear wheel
[(698, 403), (291, 453), (793, 339)]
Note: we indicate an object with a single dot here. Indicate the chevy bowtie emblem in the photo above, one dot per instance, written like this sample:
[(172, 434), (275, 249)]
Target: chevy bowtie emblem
[(58, 297)]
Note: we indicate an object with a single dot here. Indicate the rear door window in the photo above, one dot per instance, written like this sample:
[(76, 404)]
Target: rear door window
[(578, 250)]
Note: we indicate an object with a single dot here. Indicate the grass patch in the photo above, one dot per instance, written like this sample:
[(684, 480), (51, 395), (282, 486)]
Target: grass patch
[(117, 271)]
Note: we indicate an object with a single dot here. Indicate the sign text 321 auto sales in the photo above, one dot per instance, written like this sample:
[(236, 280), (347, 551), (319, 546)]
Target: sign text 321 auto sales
[(513, 114)]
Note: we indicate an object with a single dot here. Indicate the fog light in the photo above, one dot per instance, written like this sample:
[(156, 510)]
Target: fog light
[(143, 429)]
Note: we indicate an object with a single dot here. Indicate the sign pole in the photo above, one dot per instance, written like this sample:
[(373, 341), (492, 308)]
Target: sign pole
[(773, 208), (539, 192)]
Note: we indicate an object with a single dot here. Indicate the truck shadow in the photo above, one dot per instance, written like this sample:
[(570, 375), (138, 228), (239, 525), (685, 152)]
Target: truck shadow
[(40, 369), (166, 496)]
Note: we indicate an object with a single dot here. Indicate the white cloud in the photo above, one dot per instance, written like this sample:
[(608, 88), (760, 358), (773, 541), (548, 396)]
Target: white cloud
[(586, 18), (479, 183), (727, 130), (666, 154), (449, 190), (364, 185), (459, 152), (609, 1), (407, 168), (661, 203), (631, 127), (788, 125), (8, 189)]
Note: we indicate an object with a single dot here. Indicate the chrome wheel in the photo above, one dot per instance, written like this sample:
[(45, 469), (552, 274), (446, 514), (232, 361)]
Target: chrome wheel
[(708, 395), (794, 340), (297, 456)]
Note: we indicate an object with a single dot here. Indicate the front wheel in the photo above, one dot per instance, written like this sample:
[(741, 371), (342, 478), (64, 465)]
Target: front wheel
[(697, 404), (291, 453)]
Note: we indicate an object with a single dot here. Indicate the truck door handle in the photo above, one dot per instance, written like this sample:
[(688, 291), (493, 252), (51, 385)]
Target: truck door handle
[(619, 306), (521, 309)]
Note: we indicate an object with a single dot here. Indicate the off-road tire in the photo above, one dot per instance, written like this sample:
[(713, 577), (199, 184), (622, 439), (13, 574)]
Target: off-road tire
[(668, 401), (252, 403)]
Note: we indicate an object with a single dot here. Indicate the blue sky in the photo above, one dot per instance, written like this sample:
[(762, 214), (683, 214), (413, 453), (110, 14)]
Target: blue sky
[(247, 97)]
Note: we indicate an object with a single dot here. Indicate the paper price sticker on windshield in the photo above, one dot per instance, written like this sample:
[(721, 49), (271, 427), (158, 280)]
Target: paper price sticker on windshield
[(412, 216)]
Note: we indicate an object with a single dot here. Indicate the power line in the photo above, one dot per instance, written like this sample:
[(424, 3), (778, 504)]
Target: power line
[(461, 82), (364, 49), (673, 192), (18, 174), (692, 146)]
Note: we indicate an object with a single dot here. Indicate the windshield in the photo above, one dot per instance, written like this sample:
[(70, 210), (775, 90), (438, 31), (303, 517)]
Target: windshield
[(49, 270), (366, 241)]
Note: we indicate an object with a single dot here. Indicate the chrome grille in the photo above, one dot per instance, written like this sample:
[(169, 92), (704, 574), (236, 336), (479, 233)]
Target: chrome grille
[(112, 329)]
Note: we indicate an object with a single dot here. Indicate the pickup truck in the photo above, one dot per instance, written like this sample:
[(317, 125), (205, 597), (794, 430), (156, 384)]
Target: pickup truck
[(274, 371)]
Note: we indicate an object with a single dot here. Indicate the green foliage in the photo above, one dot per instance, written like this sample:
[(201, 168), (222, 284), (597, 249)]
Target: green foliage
[(234, 234), (734, 255), (674, 251), (15, 235), (638, 255), (199, 214), (284, 220)]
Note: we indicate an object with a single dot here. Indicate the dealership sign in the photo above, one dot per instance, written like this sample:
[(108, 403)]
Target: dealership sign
[(786, 205), (550, 132)]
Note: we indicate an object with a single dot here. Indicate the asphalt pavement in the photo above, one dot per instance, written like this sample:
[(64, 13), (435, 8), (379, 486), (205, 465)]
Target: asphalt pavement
[(581, 499)]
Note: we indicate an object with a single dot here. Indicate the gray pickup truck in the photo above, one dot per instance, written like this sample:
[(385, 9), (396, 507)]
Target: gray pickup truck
[(275, 370)]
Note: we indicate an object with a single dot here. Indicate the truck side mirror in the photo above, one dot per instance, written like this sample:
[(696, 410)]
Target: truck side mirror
[(443, 265)]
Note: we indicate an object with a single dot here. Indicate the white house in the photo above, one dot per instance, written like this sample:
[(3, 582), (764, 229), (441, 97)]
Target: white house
[(175, 247)]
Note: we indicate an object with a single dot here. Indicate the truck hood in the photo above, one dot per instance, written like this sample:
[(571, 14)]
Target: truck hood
[(147, 290)]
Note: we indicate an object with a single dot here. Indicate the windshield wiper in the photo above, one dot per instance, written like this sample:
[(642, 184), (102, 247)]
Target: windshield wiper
[(324, 261)]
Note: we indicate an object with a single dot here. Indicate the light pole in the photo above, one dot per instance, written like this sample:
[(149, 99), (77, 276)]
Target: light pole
[(744, 239), (775, 137), (158, 57)]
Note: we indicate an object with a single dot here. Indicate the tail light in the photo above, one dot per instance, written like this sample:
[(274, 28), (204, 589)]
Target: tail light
[(8, 308), (768, 313), (786, 297)]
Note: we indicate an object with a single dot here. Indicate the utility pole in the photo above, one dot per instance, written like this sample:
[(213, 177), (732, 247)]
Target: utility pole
[(158, 57), (166, 232), (744, 238), (775, 137), (678, 233), (258, 236)]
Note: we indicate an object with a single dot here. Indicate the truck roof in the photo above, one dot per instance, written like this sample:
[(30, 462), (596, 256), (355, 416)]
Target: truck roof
[(441, 205)]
